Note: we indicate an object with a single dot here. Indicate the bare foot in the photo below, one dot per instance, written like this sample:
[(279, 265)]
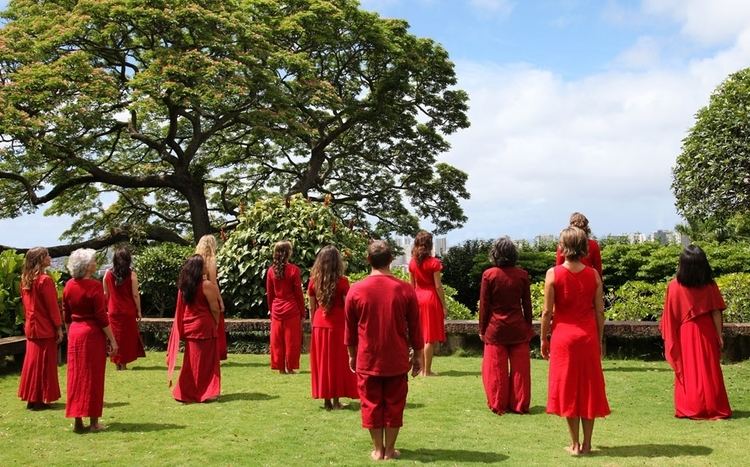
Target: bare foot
[(327, 404), (573, 449), (282, 372), (337, 405), (291, 372), (431, 373), (78, 427), (97, 428), (395, 454), (585, 449), (376, 455)]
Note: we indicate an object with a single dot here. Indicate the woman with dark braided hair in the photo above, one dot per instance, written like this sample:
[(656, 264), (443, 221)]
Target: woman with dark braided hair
[(286, 305), (329, 361), (124, 308)]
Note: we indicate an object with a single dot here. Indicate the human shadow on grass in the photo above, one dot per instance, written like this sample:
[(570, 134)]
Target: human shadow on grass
[(459, 373), (110, 405), (245, 396), (148, 368), (143, 427), (459, 456), (634, 369), (229, 364), (740, 414), (652, 450), (537, 409), (355, 405)]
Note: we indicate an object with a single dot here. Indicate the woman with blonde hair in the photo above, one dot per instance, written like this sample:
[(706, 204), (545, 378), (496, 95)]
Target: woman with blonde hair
[(425, 273), (286, 305), (207, 248), (39, 385), (329, 361), (593, 257)]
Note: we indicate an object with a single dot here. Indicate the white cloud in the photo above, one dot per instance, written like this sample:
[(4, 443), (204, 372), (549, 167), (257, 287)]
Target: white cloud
[(709, 22), (645, 53)]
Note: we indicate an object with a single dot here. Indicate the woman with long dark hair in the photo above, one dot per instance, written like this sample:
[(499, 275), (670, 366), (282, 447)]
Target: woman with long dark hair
[(691, 326), (124, 308), (39, 385), (196, 321), (329, 361)]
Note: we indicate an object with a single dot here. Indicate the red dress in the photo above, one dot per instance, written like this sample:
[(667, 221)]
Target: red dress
[(123, 319), (593, 258), (287, 307), (691, 346), (576, 380), (200, 375), (329, 360), (431, 313), (86, 315), (39, 381)]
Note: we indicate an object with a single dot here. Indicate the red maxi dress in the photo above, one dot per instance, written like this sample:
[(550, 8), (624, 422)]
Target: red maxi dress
[(691, 346), (200, 375), (431, 313), (593, 258), (123, 319), (287, 307), (86, 315), (39, 383), (576, 380), (329, 359), (505, 324)]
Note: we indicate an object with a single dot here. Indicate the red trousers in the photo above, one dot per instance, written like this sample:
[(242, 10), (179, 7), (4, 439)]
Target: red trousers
[(382, 399), (286, 343), (39, 381), (507, 391)]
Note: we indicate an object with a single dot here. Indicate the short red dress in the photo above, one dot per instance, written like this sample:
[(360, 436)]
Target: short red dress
[(691, 346), (576, 380), (329, 360), (431, 313), (123, 319)]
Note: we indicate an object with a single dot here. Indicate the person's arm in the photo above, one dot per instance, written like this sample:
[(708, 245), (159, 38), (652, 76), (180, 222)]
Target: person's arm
[(599, 307), (212, 296), (549, 304), (270, 293), (719, 324), (298, 294), (596, 258), (439, 288), (104, 286), (100, 313), (135, 289), (415, 334), (213, 276), (528, 312), (313, 301), (49, 299), (484, 301), (351, 336)]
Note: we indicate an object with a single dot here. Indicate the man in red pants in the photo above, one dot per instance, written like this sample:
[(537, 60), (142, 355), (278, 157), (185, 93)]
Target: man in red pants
[(382, 319)]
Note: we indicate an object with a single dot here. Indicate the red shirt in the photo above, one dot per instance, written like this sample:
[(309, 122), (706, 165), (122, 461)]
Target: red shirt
[(195, 318), (41, 309), (382, 319), (593, 258), (424, 274), (284, 294), (83, 300), (334, 317), (120, 297), (505, 306)]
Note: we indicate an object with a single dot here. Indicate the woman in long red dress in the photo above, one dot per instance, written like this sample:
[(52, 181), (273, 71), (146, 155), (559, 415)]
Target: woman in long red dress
[(85, 315), (425, 272), (196, 321), (124, 308), (329, 360), (593, 257), (286, 305), (573, 300), (39, 385), (505, 328), (691, 326), (207, 249)]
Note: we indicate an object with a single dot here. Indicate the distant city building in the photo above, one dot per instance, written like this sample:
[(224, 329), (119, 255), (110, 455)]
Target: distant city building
[(636, 237), (544, 239), (439, 248)]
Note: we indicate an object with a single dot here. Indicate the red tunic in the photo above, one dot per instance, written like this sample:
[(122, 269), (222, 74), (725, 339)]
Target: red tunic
[(505, 306), (39, 381), (593, 258), (86, 314), (576, 380), (431, 313), (123, 319), (284, 294), (382, 321), (691, 346), (329, 362)]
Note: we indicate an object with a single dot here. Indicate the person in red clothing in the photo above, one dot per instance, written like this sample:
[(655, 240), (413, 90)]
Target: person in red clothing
[(39, 385), (329, 366), (286, 305), (196, 321), (691, 326), (424, 271), (382, 321), (124, 308), (207, 249), (594, 256), (573, 300), (505, 328), (85, 315)]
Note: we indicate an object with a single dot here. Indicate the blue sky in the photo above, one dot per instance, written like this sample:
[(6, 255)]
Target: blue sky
[(575, 106)]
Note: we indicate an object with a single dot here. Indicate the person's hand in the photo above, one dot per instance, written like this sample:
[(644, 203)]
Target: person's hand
[(113, 348), (481, 337), (353, 364), (417, 363), (721, 342), (545, 348), (139, 317), (59, 335)]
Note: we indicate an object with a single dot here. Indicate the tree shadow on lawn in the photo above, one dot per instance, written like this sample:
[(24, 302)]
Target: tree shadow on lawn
[(634, 369), (355, 405), (459, 456), (652, 450), (230, 364), (148, 368), (143, 427), (245, 396), (109, 405), (459, 373)]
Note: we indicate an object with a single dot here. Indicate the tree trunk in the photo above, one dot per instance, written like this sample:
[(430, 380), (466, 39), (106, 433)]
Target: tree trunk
[(195, 194)]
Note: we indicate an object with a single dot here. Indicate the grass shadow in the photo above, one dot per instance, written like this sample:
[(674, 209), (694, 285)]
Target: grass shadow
[(652, 450), (110, 405), (229, 364), (148, 368), (355, 405), (537, 409), (245, 396), (740, 414), (460, 373), (632, 369), (458, 456), (143, 427)]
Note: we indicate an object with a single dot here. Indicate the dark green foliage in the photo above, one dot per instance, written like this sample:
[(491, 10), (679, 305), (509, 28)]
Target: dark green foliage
[(463, 265), (637, 301), (11, 309), (158, 268), (536, 263), (736, 291)]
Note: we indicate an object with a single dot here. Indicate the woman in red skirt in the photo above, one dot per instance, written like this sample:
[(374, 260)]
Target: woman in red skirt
[(196, 321), (85, 315), (424, 270), (286, 305), (207, 249), (593, 257), (124, 308), (39, 385), (573, 300), (329, 360), (691, 326), (505, 328)]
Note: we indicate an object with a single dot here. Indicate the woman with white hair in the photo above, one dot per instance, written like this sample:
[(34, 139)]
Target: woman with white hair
[(85, 315)]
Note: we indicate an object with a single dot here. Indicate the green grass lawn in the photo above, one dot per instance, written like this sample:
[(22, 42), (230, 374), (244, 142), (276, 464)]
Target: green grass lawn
[(264, 418)]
